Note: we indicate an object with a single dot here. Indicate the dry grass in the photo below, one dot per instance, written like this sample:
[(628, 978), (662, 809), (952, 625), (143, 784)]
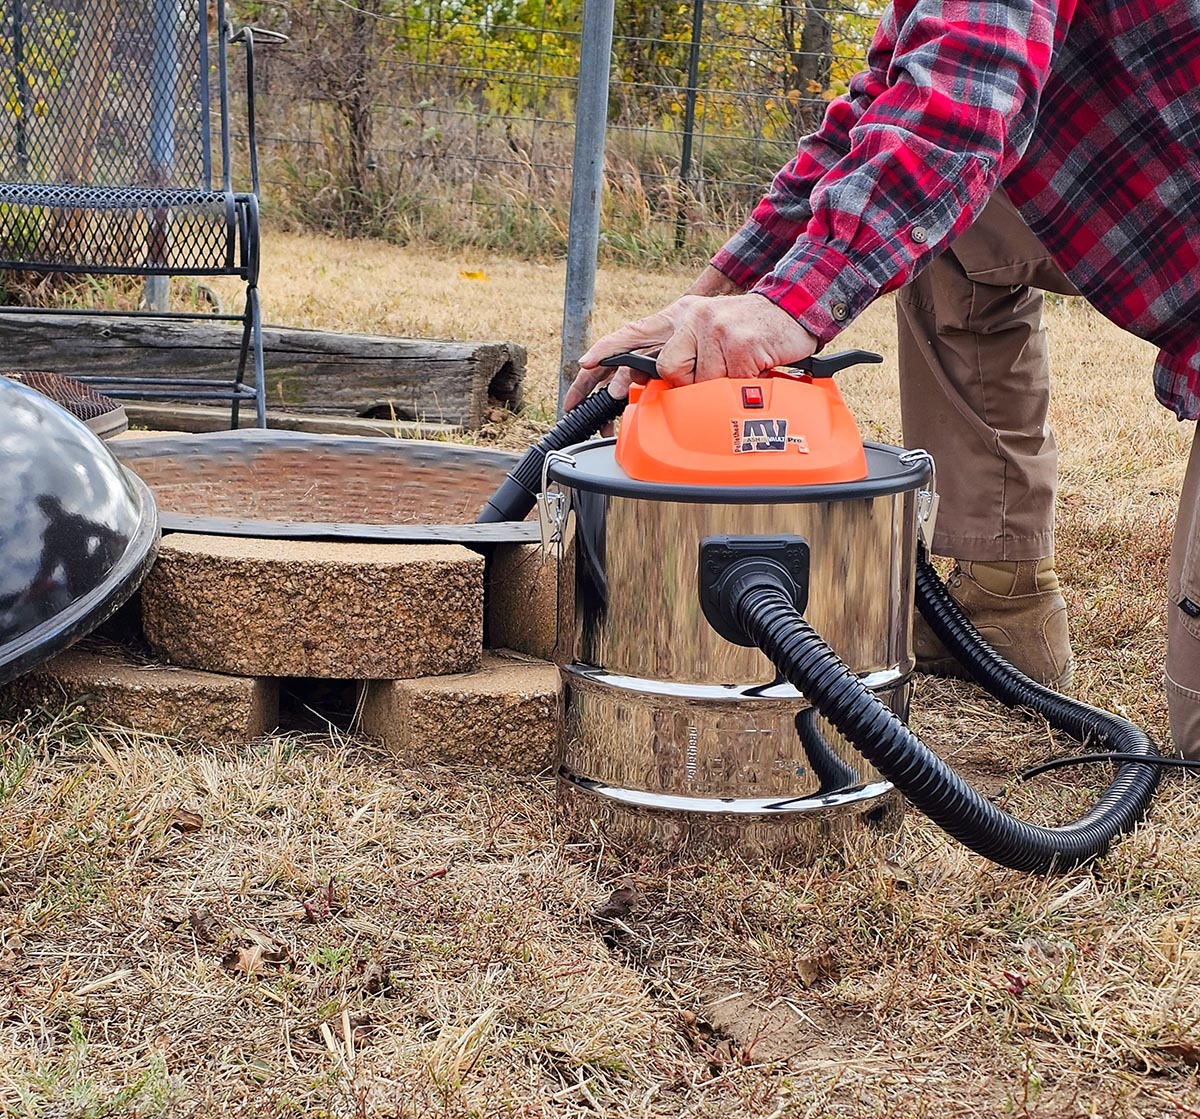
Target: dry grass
[(308, 927)]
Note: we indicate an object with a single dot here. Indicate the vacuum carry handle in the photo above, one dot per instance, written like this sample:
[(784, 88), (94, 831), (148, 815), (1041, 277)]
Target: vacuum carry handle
[(642, 363), (827, 366), (813, 366)]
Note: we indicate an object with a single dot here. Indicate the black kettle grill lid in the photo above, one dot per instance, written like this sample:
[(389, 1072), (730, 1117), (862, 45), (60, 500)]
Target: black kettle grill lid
[(78, 532)]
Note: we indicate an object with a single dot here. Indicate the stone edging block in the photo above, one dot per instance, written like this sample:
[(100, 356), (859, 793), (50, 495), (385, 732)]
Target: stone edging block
[(506, 714), (152, 698), (267, 607), (522, 600)]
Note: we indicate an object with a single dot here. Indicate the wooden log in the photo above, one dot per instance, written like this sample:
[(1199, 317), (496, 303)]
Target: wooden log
[(197, 418), (316, 371)]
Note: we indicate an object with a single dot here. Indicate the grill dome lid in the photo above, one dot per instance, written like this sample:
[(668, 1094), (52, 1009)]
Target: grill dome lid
[(78, 532)]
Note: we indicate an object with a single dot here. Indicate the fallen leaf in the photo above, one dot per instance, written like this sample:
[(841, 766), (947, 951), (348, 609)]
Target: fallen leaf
[(469, 274), (899, 876), (620, 904), (1186, 1052), (723, 1052), (185, 820), (203, 925), (812, 968), (249, 961), (1046, 951), (1015, 983), (376, 980)]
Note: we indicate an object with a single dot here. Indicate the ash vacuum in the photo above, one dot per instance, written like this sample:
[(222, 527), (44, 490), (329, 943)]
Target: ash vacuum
[(737, 573)]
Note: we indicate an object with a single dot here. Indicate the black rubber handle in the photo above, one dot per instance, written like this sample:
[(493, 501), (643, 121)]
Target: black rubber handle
[(830, 364), (813, 366), (643, 363)]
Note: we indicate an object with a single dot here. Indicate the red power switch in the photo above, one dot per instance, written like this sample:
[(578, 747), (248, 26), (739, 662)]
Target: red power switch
[(752, 396)]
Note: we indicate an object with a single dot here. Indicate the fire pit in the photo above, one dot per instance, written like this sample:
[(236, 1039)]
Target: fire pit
[(300, 486)]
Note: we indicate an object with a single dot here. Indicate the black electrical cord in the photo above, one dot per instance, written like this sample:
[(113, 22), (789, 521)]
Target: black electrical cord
[(1164, 760), (993, 673)]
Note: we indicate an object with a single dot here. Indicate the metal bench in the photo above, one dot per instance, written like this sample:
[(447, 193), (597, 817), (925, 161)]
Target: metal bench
[(115, 159)]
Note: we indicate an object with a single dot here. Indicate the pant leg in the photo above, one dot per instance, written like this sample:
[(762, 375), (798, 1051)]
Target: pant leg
[(1183, 626), (975, 387)]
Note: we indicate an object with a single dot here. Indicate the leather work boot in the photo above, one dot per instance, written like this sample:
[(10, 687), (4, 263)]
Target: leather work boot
[(1019, 610)]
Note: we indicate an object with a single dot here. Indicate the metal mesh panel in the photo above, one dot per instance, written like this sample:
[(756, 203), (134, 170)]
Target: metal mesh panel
[(108, 112), (105, 92), (101, 229), (76, 398), (454, 119)]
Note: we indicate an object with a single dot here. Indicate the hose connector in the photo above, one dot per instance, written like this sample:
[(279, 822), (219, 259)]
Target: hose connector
[(732, 565)]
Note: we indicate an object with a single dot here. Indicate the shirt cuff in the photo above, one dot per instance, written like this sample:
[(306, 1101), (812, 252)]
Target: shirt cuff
[(819, 288), (755, 249)]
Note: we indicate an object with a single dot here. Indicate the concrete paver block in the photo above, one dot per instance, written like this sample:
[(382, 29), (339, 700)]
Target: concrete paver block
[(522, 600), (265, 607), (506, 714), (113, 688)]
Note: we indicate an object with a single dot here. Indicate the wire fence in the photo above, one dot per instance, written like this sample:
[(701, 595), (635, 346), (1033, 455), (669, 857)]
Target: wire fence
[(452, 120)]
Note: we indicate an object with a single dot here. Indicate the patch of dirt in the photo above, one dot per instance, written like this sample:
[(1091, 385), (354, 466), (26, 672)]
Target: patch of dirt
[(784, 1029)]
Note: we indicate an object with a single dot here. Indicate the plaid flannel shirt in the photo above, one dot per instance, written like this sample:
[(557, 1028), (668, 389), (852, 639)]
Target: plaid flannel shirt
[(1088, 113)]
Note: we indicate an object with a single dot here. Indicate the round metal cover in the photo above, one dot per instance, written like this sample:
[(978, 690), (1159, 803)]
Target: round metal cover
[(78, 533), (328, 487)]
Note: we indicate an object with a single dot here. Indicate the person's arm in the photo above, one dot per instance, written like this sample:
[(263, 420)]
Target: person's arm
[(898, 168), (940, 117)]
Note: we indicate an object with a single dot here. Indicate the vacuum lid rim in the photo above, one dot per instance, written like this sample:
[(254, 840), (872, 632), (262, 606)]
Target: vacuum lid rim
[(910, 476)]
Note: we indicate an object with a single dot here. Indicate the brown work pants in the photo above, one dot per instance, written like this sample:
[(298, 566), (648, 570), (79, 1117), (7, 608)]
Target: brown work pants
[(974, 392)]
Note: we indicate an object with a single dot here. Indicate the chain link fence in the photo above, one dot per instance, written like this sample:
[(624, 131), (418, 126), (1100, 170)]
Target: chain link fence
[(452, 120)]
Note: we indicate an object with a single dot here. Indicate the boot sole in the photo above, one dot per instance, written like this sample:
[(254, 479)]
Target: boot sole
[(948, 668)]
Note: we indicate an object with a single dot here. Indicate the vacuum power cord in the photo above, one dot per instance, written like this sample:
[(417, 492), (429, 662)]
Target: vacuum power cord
[(1163, 760)]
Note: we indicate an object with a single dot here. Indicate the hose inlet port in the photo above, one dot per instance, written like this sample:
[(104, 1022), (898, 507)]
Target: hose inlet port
[(729, 565)]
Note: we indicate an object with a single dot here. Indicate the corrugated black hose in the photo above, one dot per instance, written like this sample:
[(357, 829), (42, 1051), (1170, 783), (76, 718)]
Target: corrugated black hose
[(518, 492), (766, 613)]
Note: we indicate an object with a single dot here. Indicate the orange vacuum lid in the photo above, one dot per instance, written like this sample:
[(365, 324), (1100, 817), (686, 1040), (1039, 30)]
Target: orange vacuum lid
[(766, 431)]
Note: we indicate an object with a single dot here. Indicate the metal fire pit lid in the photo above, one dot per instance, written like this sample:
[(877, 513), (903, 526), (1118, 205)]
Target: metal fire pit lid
[(325, 487)]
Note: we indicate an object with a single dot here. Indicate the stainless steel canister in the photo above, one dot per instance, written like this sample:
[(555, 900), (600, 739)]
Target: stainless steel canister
[(672, 735)]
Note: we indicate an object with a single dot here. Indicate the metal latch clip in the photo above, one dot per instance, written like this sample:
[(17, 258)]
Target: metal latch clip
[(927, 498), (552, 507)]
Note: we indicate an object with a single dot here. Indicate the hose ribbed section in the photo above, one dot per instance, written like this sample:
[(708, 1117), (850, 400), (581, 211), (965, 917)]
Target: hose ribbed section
[(518, 492), (810, 665)]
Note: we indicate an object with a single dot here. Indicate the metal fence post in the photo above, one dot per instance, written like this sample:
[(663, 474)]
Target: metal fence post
[(689, 118), (587, 184), (164, 74)]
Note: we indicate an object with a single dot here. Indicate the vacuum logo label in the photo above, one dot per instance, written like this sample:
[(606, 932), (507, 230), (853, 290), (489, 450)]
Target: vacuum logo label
[(763, 434)]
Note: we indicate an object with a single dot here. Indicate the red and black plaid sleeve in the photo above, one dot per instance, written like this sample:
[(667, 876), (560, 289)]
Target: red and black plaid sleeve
[(905, 161)]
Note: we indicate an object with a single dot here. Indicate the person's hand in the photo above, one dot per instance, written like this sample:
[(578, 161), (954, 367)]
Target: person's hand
[(699, 338)]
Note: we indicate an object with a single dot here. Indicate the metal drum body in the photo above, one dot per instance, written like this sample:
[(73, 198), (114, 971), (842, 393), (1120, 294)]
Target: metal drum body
[(673, 735)]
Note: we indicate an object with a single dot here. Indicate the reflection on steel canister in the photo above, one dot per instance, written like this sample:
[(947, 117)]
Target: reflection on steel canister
[(673, 734)]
